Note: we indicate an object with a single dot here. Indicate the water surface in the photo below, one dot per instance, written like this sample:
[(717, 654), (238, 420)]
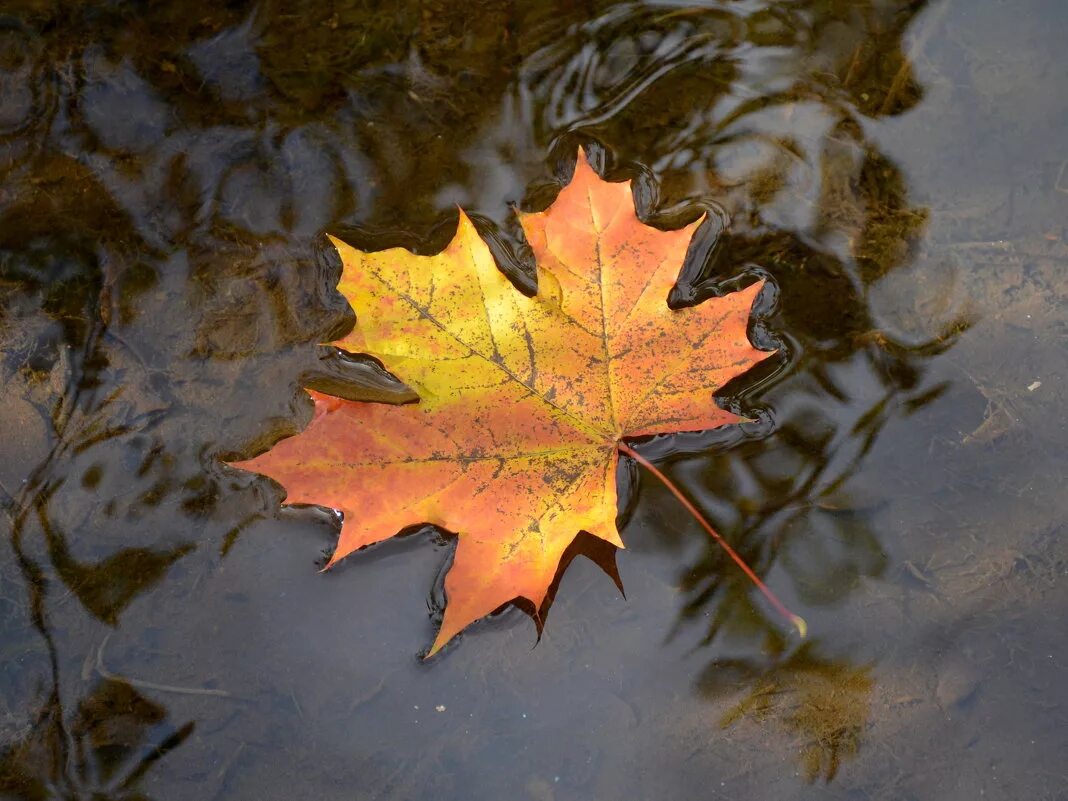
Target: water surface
[(896, 169)]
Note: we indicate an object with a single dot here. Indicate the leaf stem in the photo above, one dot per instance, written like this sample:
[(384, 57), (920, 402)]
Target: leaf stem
[(795, 620)]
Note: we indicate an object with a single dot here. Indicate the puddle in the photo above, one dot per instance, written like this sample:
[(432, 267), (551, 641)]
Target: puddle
[(895, 168)]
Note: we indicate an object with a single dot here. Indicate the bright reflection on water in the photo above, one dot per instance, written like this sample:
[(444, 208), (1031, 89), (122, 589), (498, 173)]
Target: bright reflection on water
[(895, 167)]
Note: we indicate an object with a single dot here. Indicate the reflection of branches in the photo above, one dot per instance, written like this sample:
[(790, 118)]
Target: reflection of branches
[(823, 703), (83, 412), (84, 757), (848, 379), (41, 763), (787, 516), (82, 419), (112, 741), (378, 124)]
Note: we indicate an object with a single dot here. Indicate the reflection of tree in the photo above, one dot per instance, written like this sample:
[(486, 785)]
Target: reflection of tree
[(66, 391), (77, 420), (789, 491), (103, 752), (430, 104), (60, 385), (822, 703), (165, 177), (817, 207)]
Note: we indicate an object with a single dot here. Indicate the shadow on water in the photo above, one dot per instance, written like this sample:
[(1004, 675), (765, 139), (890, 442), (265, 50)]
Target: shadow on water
[(167, 174)]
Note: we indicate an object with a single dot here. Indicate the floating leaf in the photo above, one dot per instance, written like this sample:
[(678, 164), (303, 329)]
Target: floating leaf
[(524, 402)]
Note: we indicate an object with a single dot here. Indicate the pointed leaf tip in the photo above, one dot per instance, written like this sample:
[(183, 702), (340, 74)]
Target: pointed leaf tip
[(463, 223), (583, 166)]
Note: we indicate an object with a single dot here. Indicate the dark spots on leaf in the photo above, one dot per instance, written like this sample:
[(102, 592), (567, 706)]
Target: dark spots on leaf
[(532, 357)]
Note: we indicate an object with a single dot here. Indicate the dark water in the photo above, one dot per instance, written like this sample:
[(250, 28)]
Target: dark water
[(167, 173)]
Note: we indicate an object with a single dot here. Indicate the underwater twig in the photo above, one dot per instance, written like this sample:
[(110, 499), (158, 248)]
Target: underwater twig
[(150, 685)]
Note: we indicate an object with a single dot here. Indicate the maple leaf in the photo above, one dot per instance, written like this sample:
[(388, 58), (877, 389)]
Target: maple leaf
[(524, 402)]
